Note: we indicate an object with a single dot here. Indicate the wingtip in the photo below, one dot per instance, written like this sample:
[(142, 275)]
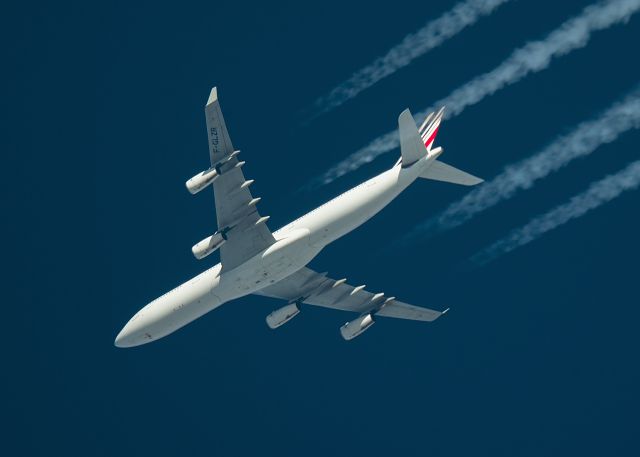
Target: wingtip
[(445, 311), (213, 96)]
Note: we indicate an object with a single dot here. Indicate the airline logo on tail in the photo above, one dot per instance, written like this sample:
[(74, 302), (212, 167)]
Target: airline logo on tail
[(429, 128)]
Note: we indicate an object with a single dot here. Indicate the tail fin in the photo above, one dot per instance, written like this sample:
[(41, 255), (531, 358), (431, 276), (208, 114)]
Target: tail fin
[(411, 146), (414, 143), (440, 171), (426, 121), (429, 128)]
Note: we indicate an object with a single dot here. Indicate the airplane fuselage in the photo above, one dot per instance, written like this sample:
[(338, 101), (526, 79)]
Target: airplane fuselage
[(296, 245)]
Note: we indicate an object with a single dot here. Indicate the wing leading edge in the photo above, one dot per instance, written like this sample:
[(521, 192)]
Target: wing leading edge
[(310, 287), (245, 231)]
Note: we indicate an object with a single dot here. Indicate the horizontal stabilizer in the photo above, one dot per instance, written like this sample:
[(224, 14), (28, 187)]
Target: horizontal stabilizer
[(440, 171)]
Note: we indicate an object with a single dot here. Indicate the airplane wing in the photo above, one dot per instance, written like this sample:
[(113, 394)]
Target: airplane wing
[(308, 286), (245, 231)]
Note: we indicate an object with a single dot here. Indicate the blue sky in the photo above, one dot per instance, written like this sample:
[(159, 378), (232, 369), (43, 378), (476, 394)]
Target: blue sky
[(538, 353)]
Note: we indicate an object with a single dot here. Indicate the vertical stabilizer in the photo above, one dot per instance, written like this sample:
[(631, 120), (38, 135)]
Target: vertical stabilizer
[(430, 128), (411, 146), (414, 143)]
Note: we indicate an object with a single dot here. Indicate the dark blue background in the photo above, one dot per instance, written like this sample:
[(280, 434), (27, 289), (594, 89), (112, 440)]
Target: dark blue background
[(103, 124)]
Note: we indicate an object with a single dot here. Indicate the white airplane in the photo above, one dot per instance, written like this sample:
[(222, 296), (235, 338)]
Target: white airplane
[(254, 260)]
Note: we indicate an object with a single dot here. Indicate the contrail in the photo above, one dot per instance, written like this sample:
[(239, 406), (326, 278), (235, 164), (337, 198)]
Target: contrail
[(582, 141), (432, 35), (597, 194), (532, 57)]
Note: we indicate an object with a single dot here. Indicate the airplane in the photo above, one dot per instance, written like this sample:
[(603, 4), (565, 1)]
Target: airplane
[(254, 260)]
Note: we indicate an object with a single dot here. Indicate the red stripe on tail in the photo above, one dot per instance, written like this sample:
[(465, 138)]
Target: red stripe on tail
[(431, 138)]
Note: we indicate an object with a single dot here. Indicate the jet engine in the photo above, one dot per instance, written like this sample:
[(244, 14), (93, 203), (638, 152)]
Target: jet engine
[(202, 180), (208, 245), (282, 315), (354, 328)]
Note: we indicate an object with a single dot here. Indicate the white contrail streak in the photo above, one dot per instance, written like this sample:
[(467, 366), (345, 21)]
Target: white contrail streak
[(582, 141), (432, 35), (533, 57), (597, 194)]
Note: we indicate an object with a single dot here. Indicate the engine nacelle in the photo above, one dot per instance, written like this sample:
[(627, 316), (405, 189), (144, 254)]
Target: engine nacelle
[(354, 328), (208, 245), (282, 315), (202, 180)]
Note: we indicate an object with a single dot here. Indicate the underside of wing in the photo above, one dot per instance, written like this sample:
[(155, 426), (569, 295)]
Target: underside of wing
[(244, 231), (310, 287), (402, 310)]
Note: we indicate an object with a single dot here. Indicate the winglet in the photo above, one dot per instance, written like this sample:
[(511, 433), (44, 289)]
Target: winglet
[(213, 96), (445, 311)]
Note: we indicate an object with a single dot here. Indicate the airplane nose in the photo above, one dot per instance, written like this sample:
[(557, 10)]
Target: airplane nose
[(137, 331), (124, 339), (133, 334)]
